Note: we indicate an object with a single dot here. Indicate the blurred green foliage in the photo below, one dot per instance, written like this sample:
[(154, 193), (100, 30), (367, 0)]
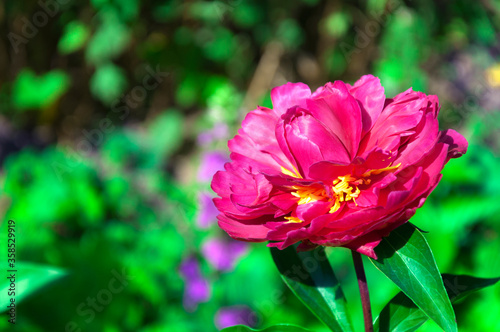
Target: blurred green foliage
[(107, 106)]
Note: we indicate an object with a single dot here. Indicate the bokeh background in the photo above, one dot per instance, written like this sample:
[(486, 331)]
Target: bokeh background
[(114, 115)]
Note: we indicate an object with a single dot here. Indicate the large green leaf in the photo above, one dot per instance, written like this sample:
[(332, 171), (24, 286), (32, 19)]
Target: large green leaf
[(28, 278), (311, 278), (401, 314), (406, 259), (274, 328)]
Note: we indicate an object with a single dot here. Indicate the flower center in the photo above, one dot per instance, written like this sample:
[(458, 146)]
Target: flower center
[(309, 194), (344, 189)]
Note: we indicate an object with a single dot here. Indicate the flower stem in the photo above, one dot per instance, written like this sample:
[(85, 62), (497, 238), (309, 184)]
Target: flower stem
[(363, 290)]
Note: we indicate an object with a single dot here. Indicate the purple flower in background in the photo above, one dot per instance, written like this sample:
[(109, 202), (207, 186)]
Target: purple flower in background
[(211, 162), (218, 133), (197, 289), (223, 254), (235, 315), (208, 212)]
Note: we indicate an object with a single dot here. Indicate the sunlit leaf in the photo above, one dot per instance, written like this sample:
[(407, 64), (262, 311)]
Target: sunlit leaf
[(406, 259), (275, 328), (166, 133), (108, 83), (37, 92), (401, 314), (110, 39), (28, 278), (310, 277), (74, 37)]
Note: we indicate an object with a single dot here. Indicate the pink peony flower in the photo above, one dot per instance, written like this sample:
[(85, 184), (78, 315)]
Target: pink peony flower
[(342, 166)]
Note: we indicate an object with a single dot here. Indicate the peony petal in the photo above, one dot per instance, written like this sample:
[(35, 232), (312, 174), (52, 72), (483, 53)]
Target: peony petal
[(293, 237), (421, 143), (239, 231), (398, 192), (289, 95), (305, 141), (456, 142), (327, 171), (371, 97), (282, 230), (370, 197), (340, 113), (254, 192), (398, 119), (366, 246), (243, 195), (255, 146), (311, 210), (219, 183), (416, 180)]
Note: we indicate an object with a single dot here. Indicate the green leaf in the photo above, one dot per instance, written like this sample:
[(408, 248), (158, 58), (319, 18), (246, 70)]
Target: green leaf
[(38, 92), (406, 259), (401, 314), (28, 278), (109, 40), (74, 37), (460, 286), (165, 134), (108, 83), (310, 277), (337, 23), (274, 328)]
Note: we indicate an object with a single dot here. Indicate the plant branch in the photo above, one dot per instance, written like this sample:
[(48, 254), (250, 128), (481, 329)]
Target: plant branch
[(363, 290)]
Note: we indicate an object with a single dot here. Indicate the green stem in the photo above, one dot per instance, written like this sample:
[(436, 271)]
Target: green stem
[(363, 290)]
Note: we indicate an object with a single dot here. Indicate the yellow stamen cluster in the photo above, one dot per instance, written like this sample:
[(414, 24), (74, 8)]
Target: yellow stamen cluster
[(309, 194), (344, 189)]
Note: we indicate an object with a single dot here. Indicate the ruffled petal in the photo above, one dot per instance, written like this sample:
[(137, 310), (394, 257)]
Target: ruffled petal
[(239, 231), (398, 120), (456, 142), (421, 143), (339, 111), (305, 141), (289, 95), (255, 146), (371, 97)]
